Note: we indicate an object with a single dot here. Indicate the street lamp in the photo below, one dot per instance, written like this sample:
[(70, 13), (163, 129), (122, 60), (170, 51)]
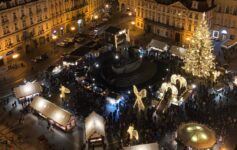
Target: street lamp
[(73, 28), (15, 56), (54, 37), (96, 17), (107, 6), (133, 24)]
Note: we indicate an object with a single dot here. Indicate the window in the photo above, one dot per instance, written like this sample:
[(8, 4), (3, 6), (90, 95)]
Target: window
[(18, 38), (31, 21), (16, 27), (23, 23)]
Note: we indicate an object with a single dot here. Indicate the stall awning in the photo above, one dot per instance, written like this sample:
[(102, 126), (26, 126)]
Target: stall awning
[(27, 90), (229, 43), (157, 45), (51, 111), (178, 51), (151, 146), (94, 126)]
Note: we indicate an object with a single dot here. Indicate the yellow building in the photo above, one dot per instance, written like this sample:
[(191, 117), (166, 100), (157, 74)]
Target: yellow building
[(128, 5), (172, 19), (225, 24), (24, 24)]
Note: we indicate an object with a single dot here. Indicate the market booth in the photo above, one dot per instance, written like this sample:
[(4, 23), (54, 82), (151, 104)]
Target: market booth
[(95, 129), (178, 51), (53, 113), (151, 146), (197, 136), (29, 90)]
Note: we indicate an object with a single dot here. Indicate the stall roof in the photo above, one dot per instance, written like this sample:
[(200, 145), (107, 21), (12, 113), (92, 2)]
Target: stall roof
[(229, 43), (51, 111), (151, 146), (94, 126), (27, 89), (70, 58), (178, 51), (112, 30), (157, 45)]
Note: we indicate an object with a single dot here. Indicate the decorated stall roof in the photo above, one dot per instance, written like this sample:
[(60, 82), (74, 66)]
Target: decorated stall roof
[(27, 90), (94, 126), (51, 111), (157, 45)]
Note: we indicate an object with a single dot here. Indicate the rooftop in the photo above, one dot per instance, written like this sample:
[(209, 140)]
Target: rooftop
[(112, 29)]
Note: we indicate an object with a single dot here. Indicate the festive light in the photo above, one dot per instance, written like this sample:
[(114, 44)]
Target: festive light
[(132, 133), (139, 96), (199, 59), (63, 91)]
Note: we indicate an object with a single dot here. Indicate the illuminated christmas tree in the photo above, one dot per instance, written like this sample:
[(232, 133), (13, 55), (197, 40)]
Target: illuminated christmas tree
[(199, 59)]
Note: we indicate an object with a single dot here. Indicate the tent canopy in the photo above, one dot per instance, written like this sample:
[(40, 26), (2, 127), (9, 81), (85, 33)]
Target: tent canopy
[(94, 126), (151, 146), (27, 90), (51, 111), (178, 51), (157, 45), (196, 135)]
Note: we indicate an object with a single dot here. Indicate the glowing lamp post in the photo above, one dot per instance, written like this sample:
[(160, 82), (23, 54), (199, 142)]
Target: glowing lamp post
[(133, 24), (15, 56), (96, 17), (54, 37), (73, 28)]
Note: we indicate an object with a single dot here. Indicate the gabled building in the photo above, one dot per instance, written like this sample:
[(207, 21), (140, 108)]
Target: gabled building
[(173, 19)]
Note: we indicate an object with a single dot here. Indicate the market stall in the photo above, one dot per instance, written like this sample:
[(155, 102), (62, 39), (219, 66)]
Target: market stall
[(28, 90), (53, 113), (196, 136), (178, 51), (95, 129)]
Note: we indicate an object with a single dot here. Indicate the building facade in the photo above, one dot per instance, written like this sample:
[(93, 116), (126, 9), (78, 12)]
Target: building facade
[(225, 22), (173, 19), (27, 23), (128, 5)]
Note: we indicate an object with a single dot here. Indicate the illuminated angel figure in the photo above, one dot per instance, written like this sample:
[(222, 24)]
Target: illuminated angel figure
[(132, 133), (139, 96), (63, 91)]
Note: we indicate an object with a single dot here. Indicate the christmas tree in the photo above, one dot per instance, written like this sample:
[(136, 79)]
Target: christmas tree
[(199, 59)]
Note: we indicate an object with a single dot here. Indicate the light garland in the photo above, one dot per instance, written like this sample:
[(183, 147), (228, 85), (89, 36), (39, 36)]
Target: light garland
[(199, 59)]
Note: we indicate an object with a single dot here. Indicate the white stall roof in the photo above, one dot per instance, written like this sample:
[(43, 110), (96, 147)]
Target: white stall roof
[(229, 43), (151, 146), (178, 51), (95, 126), (51, 111), (28, 89), (157, 45)]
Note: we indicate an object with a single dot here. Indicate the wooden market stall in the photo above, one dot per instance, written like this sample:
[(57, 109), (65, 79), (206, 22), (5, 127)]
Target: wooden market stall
[(95, 129), (28, 90), (53, 113)]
